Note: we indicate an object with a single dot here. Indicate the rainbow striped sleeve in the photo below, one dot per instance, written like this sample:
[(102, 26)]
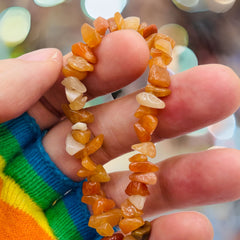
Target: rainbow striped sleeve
[(36, 200)]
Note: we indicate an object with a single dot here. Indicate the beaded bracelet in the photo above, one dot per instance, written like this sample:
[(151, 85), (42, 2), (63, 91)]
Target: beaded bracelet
[(80, 144)]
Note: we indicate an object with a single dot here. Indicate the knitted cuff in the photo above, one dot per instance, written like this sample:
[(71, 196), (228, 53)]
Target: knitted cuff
[(30, 166), (69, 218)]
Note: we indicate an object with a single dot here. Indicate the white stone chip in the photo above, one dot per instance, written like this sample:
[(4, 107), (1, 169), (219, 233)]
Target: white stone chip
[(138, 201), (80, 126)]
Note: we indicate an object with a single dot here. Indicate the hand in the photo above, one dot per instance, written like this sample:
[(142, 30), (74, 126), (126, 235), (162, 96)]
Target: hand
[(200, 97)]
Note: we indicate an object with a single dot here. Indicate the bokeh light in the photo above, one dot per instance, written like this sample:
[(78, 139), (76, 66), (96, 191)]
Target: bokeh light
[(223, 129), (48, 3), (220, 6), (186, 5), (183, 58), (15, 23), (103, 8), (176, 32)]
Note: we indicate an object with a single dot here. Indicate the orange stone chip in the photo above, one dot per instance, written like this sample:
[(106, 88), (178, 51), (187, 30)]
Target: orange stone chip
[(147, 148), (158, 59), (138, 158), (143, 110), (129, 210), (83, 50), (147, 178), (142, 133), (90, 36), (80, 64), (151, 29), (90, 199), (159, 76), (100, 175), (143, 167), (105, 229), (150, 40), (137, 188), (81, 136), (112, 216), (165, 37), (94, 144), (112, 25), (116, 236), (77, 116), (149, 123), (70, 72), (128, 225), (78, 103), (102, 205), (83, 172), (158, 92), (141, 27), (119, 20), (88, 163), (101, 25), (91, 188)]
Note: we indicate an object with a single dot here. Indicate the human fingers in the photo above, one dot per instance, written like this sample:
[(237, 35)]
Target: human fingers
[(122, 58), (182, 226), (194, 103), (188, 180), (24, 80)]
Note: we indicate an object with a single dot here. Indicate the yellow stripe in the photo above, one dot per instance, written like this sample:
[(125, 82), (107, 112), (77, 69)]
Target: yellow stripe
[(12, 194)]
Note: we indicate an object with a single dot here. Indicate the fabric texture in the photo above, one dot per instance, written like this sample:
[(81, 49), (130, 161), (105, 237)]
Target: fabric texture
[(37, 201)]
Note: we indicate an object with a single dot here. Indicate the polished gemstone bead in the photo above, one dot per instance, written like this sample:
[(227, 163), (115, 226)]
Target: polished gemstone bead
[(83, 172), (78, 103), (147, 148), (105, 229), (150, 29), (132, 23), (143, 167), (112, 216), (88, 163), (116, 236), (119, 20), (68, 72), (83, 50), (138, 201), (102, 205), (112, 25), (150, 40), (73, 83), (91, 188), (79, 126), (100, 175), (149, 100), (142, 26), (101, 25), (142, 233), (143, 110), (72, 146), (129, 237), (159, 76), (128, 225), (137, 188), (80, 64), (157, 59), (90, 199), (71, 95), (90, 36), (81, 136), (129, 210), (142, 133), (138, 158), (94, 144), (158, 92), (165, 37), (77, 116), (163, 45), (149, 122), (147, 178)]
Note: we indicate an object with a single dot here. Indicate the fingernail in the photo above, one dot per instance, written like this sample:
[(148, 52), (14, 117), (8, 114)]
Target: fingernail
[(45, 54)]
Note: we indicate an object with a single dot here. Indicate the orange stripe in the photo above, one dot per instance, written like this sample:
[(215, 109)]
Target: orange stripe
[(15, 224)]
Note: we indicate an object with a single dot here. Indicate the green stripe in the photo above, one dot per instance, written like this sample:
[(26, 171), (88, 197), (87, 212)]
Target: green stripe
[(61, 223), (23, 173)]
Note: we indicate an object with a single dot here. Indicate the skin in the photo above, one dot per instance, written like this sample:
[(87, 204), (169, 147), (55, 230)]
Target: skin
[(201, 96)]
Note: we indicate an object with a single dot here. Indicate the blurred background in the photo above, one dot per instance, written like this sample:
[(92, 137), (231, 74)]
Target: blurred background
[(206, 31)]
